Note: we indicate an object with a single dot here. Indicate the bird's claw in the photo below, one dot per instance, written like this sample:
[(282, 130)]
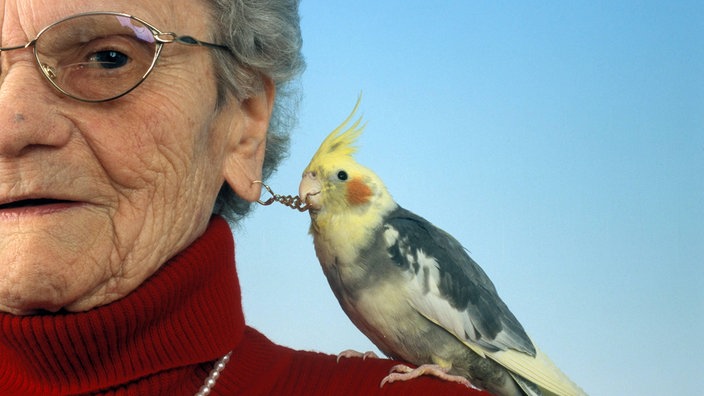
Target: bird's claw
[(401, 372), (351, 353)]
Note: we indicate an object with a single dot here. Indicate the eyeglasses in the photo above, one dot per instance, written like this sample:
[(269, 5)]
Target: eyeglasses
[(101, 56)]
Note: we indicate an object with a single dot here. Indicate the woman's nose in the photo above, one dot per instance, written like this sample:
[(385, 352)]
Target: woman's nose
[(28, 112)]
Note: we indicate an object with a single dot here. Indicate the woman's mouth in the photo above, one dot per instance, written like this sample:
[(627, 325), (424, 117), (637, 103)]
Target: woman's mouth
[(35, 206), (32, 202)]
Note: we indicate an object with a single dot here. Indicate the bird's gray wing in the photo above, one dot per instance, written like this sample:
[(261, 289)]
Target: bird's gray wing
[(453, 291)]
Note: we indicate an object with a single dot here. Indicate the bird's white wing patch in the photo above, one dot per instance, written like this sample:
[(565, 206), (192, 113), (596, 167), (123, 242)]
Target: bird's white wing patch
[(539, 369), (428, 301), (424, 294), (426, 297)]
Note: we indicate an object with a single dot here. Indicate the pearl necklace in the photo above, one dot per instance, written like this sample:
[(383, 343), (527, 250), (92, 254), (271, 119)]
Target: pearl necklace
[(214, 375)]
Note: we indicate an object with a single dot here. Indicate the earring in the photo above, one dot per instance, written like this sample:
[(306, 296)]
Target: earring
[(294, 202)]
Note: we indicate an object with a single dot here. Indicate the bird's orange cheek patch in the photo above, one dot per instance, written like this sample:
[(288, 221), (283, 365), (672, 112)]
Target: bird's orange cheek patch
[(358, 192)]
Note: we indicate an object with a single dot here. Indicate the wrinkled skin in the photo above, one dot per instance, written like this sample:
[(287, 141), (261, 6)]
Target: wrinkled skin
[(136, 177)]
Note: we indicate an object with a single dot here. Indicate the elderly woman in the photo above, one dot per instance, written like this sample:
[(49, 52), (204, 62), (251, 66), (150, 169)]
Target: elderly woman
[(129, 129)]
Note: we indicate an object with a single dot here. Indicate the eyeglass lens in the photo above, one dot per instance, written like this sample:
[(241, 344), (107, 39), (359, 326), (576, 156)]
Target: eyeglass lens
[(96, 57)]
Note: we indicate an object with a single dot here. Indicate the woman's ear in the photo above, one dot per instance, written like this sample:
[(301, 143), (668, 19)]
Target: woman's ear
[(247, 145)]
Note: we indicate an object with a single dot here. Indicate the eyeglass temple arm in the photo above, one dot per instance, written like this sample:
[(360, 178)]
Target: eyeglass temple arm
[(16, 47), (188, 40)]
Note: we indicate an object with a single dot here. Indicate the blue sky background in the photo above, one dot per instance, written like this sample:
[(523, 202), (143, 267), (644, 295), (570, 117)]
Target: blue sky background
[(561, 142)]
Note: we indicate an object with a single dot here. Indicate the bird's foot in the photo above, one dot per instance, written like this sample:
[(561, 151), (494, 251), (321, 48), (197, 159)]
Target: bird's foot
[(351, 353), (401, 372)]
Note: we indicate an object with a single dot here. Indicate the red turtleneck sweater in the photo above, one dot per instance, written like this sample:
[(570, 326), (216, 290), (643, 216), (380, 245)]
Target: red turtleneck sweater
[(164, 338)]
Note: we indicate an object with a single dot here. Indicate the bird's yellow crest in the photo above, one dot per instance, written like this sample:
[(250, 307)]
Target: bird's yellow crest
[(340, 142)]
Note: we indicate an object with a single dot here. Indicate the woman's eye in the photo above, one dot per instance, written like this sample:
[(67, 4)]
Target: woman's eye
[(109, 59), (342, 175)]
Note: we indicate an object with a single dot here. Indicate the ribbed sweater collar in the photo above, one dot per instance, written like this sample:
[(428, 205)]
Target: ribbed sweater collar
[(189, 312)]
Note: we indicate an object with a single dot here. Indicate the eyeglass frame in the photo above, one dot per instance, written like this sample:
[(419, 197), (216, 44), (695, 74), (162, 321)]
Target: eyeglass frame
[(160, 39)]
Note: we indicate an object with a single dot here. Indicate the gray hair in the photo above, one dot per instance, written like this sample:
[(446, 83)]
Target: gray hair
[(265, 39)]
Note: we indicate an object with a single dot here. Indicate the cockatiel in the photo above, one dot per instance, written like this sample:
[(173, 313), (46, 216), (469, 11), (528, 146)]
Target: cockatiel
[(410, 287)]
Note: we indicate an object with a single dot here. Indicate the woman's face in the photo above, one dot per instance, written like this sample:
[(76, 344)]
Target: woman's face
[(95, 197)]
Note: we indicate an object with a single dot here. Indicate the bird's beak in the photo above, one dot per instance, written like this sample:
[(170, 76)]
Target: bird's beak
[(309, 190)]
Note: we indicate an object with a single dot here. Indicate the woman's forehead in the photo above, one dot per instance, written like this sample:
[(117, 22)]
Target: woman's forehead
[(31, 16)]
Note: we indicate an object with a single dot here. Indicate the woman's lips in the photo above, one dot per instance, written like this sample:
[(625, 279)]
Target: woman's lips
[(35, 206), (31, 202)]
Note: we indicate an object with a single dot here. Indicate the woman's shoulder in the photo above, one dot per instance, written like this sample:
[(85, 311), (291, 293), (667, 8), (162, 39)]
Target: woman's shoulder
[(265, 368)]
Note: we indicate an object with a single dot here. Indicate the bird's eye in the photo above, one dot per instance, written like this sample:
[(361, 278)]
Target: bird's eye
[(342, 175)]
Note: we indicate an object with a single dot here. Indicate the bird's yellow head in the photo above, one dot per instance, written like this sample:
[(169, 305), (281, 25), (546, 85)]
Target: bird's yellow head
[(333, 181)]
